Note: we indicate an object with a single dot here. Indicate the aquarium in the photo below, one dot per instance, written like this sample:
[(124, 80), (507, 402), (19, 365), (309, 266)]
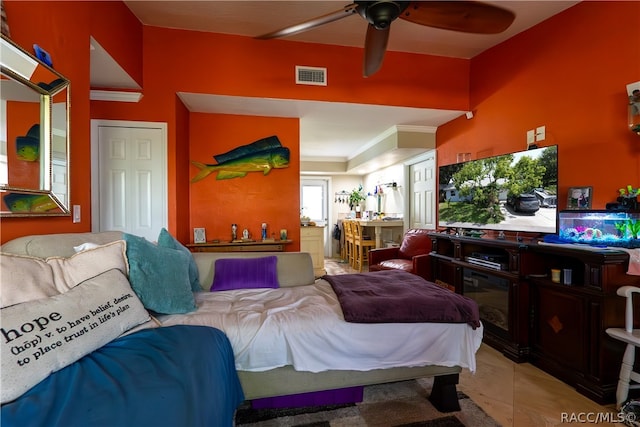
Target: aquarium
[(600, 228)]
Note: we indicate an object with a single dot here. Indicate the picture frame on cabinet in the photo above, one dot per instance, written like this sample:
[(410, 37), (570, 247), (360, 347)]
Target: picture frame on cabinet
[(579, 198), (199, 235)]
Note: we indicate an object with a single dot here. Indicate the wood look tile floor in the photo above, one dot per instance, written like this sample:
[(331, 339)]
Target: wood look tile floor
[(521, 395), (517, 394)]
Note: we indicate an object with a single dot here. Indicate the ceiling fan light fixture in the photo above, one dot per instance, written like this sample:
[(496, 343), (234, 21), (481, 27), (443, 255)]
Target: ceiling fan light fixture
[(380, 14)]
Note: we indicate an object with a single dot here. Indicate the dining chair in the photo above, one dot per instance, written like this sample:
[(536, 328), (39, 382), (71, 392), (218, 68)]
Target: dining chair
[(362, 245)]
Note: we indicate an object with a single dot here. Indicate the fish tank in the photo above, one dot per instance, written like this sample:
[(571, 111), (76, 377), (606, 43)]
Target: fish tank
[(600, 228)]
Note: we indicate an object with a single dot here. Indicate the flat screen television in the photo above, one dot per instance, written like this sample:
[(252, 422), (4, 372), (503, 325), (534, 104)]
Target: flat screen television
[(509, 192)]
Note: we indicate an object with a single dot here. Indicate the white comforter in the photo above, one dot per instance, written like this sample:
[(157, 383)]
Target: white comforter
[(303, 326)]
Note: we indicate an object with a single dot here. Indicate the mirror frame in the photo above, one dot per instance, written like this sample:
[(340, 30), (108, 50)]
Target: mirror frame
[(42, 201)]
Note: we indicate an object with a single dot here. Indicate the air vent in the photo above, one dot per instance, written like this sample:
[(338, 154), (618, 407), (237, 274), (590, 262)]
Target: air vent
[(311, 76)]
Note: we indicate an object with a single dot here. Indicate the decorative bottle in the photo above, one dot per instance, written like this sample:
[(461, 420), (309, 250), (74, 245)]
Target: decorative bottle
[(234, 232)]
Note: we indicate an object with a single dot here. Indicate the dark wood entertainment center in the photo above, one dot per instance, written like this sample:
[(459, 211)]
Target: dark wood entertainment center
[(557, 327)]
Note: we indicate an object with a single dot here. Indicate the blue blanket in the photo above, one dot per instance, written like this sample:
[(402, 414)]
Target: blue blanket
[(173, 376)]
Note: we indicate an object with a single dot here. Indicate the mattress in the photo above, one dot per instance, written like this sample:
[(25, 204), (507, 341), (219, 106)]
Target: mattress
[(303, 326)]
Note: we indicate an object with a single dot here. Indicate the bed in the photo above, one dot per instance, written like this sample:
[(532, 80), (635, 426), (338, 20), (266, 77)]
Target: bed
[(304, 327), (293, 338)]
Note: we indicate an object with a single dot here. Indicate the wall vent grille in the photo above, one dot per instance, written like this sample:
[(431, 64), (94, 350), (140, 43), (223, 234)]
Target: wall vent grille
[(311, 76)]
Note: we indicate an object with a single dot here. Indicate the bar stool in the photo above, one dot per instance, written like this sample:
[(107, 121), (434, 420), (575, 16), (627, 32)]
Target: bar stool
[(631, 337), (361, 245), (348, 241)]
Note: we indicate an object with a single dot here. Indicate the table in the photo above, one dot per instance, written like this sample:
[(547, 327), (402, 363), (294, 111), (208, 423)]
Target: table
[(248, 246), (378, 224)]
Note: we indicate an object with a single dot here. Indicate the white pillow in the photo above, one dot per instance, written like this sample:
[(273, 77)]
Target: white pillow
[(85, 246), (68, 272), (40, 337), (24, 278)]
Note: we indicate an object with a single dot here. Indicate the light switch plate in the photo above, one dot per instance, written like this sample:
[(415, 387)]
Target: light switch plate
[(76, 213), (531, 136)]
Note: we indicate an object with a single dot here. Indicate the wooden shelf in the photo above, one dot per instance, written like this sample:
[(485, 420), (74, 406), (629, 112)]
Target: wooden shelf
[(556, 327), (248, 246)]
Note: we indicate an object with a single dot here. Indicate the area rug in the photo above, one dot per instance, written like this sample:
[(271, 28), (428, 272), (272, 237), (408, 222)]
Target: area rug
[(399, 404)]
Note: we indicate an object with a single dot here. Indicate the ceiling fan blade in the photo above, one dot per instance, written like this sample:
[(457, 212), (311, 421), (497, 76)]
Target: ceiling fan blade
[(312, 23), (375, 46), (464, 16)]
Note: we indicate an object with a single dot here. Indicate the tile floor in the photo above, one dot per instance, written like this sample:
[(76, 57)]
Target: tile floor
[(519, 394)]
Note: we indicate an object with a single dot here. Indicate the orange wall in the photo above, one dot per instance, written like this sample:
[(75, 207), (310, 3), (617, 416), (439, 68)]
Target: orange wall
[(62, 29), (241, 66), (570, 75), (251, 200), (21, 116)]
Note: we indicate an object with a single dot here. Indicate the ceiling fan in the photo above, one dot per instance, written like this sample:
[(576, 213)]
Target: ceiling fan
[(464, 16)]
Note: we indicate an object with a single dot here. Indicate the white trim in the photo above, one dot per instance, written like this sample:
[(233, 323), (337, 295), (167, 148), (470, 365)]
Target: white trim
[(422, 157), (114, 95), (16, 60)]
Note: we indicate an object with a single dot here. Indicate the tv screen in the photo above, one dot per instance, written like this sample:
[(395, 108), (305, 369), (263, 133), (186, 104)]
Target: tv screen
[(510, 192)]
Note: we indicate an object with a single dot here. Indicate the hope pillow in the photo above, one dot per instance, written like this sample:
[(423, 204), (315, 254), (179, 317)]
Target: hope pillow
[(245, 273), (43, 336)]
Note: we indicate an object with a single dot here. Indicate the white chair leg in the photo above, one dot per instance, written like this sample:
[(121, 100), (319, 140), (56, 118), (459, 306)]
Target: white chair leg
[(625, 375)]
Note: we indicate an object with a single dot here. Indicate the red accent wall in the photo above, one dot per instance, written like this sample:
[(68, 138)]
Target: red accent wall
[(255, 198), (22, 116), (62, 29), (569, 74)]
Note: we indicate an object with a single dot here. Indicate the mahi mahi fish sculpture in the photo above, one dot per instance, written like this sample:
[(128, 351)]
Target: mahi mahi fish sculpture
[(259, 156)]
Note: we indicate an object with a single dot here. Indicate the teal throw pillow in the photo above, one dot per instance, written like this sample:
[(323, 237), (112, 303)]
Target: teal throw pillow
[(159, 276), (168, 241)]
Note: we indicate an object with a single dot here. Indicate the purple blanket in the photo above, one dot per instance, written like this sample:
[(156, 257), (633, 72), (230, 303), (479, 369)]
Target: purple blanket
[(395, 296)]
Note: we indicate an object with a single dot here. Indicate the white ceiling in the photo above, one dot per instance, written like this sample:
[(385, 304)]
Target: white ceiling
[(329, 131)]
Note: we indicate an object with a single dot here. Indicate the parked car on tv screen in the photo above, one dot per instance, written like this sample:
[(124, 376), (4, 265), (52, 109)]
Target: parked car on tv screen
[(525, 202), (547, 200)]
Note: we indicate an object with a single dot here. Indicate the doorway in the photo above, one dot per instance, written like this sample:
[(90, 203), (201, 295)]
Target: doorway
[(314, 203), (129, 177), (422, 191)]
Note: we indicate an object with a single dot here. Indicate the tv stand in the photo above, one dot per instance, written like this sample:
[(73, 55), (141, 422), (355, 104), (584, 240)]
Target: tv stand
[(529, 318)]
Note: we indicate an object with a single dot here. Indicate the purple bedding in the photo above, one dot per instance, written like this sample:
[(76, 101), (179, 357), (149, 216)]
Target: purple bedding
[(392, 296)]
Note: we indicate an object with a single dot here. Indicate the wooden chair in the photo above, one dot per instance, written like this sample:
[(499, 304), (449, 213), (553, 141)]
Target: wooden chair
[(348, 241), (362, 245), (628, 379)]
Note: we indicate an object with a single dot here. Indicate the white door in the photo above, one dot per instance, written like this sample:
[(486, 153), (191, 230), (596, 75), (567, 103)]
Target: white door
[(314, 203), (422, 184), (129, 178)]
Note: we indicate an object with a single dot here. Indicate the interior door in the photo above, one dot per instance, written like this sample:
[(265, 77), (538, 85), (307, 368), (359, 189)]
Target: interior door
[(314, 203), (130, 180), (422, 183)]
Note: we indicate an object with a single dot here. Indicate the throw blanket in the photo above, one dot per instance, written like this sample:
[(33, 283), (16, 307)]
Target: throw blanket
[(174, 376), (395, 296)]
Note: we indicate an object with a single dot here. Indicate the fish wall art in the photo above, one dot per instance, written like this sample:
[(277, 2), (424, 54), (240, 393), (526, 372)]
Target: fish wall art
[(259, 156), (28, 146), (22, 203)]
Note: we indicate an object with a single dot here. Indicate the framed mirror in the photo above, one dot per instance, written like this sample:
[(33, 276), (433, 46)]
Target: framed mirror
[(34, 135)]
